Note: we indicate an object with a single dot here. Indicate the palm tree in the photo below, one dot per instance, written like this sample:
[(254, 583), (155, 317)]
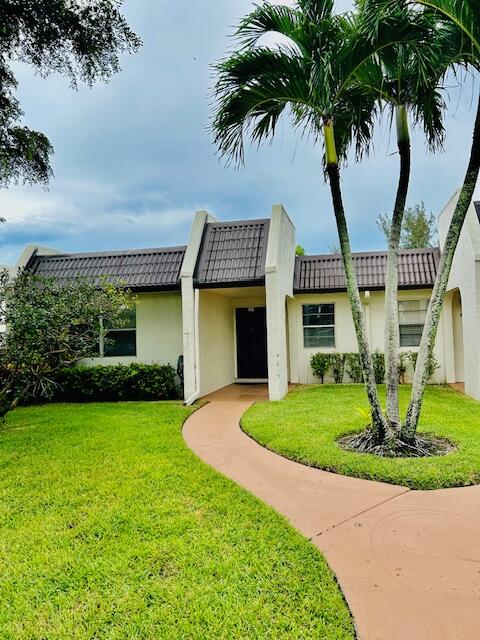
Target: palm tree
[(332, 78), (410, 80), (312, 75), (464, 16)]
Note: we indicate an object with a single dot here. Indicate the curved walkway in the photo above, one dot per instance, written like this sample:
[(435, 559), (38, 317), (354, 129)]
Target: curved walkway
[(408, 561)]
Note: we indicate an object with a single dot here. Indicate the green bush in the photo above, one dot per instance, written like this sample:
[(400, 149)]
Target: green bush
[(432, 366), (116, 382), (354, 367), (432, 363), (337, 362), (379, 367), (321, 363), (403, 366)]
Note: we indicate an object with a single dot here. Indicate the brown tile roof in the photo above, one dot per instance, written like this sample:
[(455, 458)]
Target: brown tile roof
[(417, 269), (140, 270), (232, 253)]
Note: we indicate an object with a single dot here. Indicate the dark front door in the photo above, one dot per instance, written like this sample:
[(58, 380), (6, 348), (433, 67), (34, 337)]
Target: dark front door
[(252, 342)]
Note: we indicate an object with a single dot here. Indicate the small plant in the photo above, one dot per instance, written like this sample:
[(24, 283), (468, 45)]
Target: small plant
[(432, 363), (337, 362), (403, 366), (379, 367), (354, 367), (320, 363), (413, 355), (432, 366)]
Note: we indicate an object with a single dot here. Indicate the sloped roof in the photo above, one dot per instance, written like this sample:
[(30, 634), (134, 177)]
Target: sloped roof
[(140, 269), (232, 253), (417, 269), (477, 209)]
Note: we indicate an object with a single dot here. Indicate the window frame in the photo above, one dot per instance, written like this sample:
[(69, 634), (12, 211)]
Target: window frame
[(411, 324), (319, 326), (104, 334)]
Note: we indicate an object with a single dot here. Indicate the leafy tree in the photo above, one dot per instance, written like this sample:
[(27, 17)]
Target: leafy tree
[(50, 325), (81, 40), (299, 250), (419, 228)]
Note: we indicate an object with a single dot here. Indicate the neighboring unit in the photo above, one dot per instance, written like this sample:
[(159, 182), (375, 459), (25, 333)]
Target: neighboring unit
[(241, 307)]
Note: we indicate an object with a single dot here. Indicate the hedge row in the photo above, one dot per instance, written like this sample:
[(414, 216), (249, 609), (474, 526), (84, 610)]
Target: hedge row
[(117, 382), (339, 365)]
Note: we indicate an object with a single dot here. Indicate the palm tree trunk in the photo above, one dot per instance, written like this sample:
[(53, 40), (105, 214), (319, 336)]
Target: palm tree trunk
[(392, 338), (435, 307), (379, 423)]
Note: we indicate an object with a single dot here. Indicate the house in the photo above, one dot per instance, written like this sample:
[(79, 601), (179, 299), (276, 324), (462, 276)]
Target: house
[(241, 306)]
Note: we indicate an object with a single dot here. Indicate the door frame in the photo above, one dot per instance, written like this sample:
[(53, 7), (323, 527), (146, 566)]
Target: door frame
[(235, 353)]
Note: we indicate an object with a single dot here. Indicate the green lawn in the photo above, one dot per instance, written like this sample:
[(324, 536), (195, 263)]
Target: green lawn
[(111, 528), (305, 425)]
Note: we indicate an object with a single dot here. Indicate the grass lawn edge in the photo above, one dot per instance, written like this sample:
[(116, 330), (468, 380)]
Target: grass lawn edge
[(304, 433)]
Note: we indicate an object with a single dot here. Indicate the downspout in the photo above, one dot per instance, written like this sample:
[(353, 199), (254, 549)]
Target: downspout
[(196, 394)]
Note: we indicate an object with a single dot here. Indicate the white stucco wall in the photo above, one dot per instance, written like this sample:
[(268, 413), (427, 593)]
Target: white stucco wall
[(279, 268), (190, 299), (345, 339), (464, 278), (216, 345), (217, 339), (159, 331)]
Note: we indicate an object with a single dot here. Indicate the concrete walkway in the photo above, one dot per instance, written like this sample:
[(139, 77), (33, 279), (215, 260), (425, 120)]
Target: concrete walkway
[(408, 561)]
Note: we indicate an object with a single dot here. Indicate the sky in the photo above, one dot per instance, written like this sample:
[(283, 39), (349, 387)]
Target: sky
[(134, 158)]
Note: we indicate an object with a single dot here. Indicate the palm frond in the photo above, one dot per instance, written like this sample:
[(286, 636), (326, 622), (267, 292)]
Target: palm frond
[(252, 91), (465, 14), (316, 10), (269, 18)]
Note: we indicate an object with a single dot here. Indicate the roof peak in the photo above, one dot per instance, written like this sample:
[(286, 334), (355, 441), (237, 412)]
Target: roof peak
[(238, 223), (113, 253), (367, 254)]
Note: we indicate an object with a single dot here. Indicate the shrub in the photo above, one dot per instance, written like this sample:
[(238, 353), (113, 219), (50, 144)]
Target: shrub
[(52, 324), (402, 366), (412, 355), (432, 366), (432, 363), (116, 382), (337, 362), (354, 367), (321, 363), (379, 367)]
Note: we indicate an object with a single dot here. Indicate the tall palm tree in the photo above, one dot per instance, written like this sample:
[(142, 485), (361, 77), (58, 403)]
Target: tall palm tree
[(410, 79), (464, 16), (312, 74), (320, 72)]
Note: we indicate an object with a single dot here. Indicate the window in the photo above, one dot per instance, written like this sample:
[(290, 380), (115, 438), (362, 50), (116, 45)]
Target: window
[(121, 340), (318, 325), (411, 318)]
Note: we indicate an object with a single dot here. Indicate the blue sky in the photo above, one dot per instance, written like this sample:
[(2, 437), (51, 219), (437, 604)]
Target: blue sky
[(133, 158)]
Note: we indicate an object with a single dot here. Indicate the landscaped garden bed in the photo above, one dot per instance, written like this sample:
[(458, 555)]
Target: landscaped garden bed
[(306, 426), (111, 528)]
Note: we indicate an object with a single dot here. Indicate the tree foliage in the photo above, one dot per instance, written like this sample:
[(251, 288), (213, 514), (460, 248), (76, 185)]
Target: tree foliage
[(50, 325), (418, 227), (81, 40)]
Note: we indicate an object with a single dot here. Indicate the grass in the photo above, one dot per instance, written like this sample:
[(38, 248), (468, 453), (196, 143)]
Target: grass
[(111, 528), (306, 424)]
